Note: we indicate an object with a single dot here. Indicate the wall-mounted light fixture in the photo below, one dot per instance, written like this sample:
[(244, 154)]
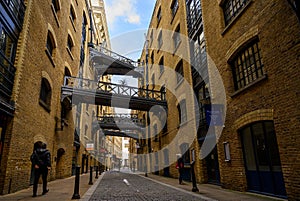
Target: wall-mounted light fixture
[(227, 151)]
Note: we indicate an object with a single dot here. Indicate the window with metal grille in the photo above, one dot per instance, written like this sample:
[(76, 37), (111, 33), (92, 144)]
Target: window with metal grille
[(179, 71), (247, 65), (174, 7), (194, 14), (232, 8)]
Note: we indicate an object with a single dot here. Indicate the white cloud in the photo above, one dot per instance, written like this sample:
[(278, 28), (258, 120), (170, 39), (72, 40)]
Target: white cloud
[(125, 9)]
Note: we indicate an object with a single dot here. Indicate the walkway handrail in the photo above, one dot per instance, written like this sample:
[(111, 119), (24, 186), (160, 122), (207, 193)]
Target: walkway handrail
[(115, 89), (116, 56), (121, 118)]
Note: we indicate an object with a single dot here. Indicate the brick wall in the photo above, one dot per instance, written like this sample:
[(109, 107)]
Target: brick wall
[(275, 98)]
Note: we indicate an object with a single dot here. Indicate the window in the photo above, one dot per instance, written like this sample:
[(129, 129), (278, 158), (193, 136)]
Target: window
[(182, 113), (83, 31), (70, 43), (179, 72), (55, 5), (158, 15), (174, 7), (151, 37), (194, 14), (176, 37), (45, 94), (153, 81), (232, 8), (152, 57), (72, 14), (7, 57), (247, 65), (184, 148), (155, 133), (161, 65), (50, 44), (160, 40)]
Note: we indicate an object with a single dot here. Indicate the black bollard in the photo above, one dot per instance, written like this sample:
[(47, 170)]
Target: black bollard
[(76, 186), (194, 189), (96, 177), (91, 176)]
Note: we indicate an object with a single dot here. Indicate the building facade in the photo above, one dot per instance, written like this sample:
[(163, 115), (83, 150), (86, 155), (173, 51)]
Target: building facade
[(42, 42), (247, 52), (258, 41), (172, 132)]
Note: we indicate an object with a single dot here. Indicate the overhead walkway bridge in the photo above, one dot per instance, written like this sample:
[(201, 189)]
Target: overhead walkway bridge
[(76, 90)]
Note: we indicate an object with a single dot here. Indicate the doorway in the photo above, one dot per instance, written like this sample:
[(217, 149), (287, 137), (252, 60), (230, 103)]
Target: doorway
[(261, 157), (212, 164)]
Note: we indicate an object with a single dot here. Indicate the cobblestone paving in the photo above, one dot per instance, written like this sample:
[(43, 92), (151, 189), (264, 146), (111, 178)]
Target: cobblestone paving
[(116, 186)]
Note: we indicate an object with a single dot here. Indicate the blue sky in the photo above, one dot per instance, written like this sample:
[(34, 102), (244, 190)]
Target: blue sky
[(128, 21)]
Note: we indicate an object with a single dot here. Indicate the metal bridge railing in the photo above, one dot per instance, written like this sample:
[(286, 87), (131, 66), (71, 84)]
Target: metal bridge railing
[(124, 119), (115, 89), (116, 56)]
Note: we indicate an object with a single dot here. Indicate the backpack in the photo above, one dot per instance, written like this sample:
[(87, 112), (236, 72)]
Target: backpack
[(38, 159)]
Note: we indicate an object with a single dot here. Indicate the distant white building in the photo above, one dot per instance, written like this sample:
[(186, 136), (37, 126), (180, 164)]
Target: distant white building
[(125, 152)]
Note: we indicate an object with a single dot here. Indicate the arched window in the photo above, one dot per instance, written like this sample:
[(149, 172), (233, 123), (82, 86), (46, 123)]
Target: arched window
[(50, 44), (72, 14), (56, 6), (179, 71), (182, 113), (70, 43), (176, 37), (45, 94)]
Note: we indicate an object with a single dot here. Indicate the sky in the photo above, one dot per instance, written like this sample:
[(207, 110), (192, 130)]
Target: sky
[(128, 21)]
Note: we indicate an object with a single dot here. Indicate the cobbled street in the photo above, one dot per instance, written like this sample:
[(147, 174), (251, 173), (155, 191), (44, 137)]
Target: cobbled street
[(116, 186)]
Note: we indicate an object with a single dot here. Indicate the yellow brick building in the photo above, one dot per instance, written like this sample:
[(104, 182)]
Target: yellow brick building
[(48, 41), (241, 61)]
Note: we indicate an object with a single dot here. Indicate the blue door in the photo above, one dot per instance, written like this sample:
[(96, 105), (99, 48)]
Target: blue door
[(262, 161)]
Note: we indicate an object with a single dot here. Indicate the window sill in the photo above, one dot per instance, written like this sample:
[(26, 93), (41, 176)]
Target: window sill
[(55, 15), (264, 77), (70, 53), (50, 57), (45, 106), (235, 18)]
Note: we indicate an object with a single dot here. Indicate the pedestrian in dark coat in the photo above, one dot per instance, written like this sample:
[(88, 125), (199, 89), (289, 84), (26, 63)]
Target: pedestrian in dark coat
[(180, 167), (41, 160)]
